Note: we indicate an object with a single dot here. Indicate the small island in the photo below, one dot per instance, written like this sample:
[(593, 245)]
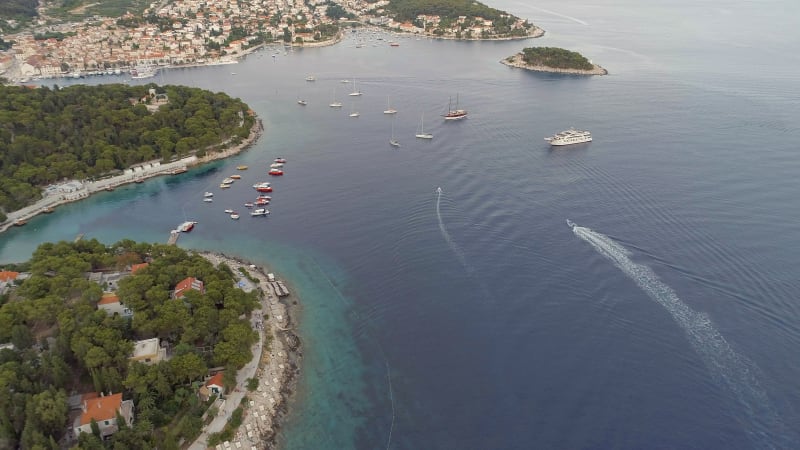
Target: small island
[(554, 60)]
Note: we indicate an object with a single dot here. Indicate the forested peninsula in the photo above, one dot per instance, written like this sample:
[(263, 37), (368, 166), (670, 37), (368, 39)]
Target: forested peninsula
[(461, 19), (553, 59), (85, 132), (66, 341)]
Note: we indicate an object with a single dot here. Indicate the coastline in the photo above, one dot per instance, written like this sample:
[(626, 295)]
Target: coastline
[(537, 33), (275, 365), (80, 190), (517, 62)]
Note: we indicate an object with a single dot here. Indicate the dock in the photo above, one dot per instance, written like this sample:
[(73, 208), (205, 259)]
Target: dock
[(173, 237), (79, 237), (279, 288)]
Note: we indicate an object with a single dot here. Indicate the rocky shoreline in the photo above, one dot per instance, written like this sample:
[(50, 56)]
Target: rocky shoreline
[(275, 365), (83, 190), (518, 62)]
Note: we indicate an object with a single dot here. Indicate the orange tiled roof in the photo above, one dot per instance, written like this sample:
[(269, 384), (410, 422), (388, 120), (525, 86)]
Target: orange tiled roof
[(136, 267), (108, 297), (7, 275), (215, 380), (101, 408)]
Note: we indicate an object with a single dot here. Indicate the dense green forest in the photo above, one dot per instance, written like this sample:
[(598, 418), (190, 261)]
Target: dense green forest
[(447, 9), (555, 57), (81, 132), (64, 344)]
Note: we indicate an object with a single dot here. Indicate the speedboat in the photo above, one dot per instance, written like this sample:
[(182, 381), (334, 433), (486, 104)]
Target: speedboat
[(302, 102), (208, 199), (280, 160), (208, 194), (249, 205), (228, 180), (275, 172), (276, 165), (259, 212), (241, 167), (228, 211), (235, 215), (236, 177), (224, 186)]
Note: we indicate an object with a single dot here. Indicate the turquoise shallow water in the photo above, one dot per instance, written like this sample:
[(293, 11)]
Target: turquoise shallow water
[(478, 318)]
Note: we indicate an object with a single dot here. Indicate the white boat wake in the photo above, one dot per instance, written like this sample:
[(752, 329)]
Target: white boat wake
[(728, 368), (553, 13), (459, 254)]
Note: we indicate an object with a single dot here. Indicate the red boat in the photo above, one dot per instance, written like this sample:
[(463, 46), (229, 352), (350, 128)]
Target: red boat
[(262, 202), (275, 172), (263, 187), (263, 197)]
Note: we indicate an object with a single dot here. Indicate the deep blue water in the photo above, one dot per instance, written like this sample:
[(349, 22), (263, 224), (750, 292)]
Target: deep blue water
[(666, 318)]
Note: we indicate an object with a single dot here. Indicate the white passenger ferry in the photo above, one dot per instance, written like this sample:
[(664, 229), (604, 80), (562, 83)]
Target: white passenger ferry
[(571, 136)]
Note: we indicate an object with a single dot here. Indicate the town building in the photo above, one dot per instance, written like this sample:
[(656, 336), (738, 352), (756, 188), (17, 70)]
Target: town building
[(103, 411)]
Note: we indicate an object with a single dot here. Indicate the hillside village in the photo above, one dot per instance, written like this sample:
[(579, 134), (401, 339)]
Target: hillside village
[(204, 32)]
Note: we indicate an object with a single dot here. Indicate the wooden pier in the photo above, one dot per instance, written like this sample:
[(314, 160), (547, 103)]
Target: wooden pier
[(173, 237), (279, 288)]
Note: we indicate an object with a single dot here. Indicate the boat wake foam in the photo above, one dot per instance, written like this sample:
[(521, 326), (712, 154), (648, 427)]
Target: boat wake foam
[(729, 369), (455, 248)]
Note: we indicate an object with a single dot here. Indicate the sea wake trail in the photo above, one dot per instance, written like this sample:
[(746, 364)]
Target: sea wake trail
[(455, 248), (728, 368)]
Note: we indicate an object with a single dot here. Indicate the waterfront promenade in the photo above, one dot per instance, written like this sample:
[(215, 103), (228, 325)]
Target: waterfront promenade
[(74, 190), (272, 365)]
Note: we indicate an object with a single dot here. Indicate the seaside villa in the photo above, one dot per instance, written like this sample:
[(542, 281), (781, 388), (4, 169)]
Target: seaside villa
[(103, 411)]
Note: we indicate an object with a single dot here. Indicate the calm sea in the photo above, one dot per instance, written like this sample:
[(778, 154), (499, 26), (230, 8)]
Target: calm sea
[(666, 316)]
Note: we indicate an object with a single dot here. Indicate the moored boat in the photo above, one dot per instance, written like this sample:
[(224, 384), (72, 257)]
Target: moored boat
[(228, 180), (236, 177), (241, 167), (568, 137), (276, 165), (280, 160), (249, 205), (208, 199), (208, 194), (235, 216), (228, 211), (455, 113), (259, 212), (275, 172), (186, 227)]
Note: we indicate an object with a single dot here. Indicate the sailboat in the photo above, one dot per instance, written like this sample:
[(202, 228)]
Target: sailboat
[(393, 142), (389, 109), (335, 104), (353, 112), (422, 134), (454, 114), (355, 92)]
